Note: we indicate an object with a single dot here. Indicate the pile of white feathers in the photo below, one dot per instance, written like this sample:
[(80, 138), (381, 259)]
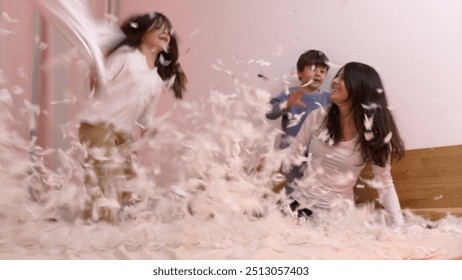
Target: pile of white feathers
[(206, 193)]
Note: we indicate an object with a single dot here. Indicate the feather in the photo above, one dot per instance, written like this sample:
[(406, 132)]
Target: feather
[(5, 97), (163, 61), (333, 65), (8, 18), (17, 90), (388, 137), (323, 110), (3, 79), (371, 106), (307, 84), (216, 67), (369, 136), (196, 32), (368, 122), (74, 21)]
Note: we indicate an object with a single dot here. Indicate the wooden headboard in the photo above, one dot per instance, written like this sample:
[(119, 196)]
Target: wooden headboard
[(428, 181)]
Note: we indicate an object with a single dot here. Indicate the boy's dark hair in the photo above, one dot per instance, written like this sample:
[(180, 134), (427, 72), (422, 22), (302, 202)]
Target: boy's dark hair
[(312, 57)]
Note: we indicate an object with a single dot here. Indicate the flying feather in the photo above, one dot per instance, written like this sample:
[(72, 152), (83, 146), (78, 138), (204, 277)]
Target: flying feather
[(387, 138), (368, 122), (72, 18)]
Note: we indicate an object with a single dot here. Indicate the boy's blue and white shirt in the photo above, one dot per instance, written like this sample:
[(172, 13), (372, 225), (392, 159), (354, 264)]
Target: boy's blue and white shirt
[(293, 118)]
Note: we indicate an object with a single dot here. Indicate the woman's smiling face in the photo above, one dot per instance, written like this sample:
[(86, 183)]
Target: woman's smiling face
[(339, 94)]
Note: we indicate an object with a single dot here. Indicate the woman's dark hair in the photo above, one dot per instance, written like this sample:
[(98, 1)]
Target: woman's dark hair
[(135, 27), (368, 99)]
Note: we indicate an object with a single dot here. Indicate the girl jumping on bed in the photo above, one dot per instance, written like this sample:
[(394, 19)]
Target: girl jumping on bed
[(137, 68)]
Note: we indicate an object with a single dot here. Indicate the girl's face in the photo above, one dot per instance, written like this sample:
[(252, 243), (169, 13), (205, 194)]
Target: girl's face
[(339, 94), (157, 39)]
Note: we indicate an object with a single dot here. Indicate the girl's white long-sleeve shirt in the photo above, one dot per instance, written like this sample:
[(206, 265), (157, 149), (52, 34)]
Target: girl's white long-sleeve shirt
[(130, 95), (332, 171)]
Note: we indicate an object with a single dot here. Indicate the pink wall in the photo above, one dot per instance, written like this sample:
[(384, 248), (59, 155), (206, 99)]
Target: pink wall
[(16, 54), (31, 58)]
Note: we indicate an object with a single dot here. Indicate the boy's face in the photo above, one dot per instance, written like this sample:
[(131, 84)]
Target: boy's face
[(315, 73)]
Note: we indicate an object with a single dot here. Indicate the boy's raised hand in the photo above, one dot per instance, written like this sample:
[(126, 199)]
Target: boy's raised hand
[(295, 98)]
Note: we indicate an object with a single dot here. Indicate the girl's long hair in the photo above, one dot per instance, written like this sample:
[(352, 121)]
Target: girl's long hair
[(135, 27), (368, 99)]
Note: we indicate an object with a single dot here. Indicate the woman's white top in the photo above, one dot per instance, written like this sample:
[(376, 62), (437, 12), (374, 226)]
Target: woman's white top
[(130, 95), (332, 171)]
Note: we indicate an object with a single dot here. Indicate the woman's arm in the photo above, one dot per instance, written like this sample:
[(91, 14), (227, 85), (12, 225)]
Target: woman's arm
[(387, 193)]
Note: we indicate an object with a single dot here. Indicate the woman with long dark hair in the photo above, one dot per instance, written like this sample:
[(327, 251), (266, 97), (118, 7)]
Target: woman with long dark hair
[(356, 129)]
